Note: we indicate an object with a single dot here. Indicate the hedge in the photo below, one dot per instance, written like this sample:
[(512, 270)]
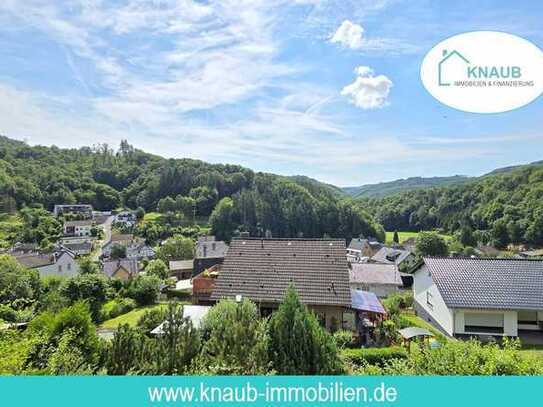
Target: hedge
[(373, 356), (116, 307)]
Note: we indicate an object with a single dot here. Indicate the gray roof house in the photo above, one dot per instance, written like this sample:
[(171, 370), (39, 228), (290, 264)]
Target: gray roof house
[(263, 269), (403, 259), (473, 296), (122, 269), (380, 279), (207, 253), (361, 248), (61, 263), (136, 248)]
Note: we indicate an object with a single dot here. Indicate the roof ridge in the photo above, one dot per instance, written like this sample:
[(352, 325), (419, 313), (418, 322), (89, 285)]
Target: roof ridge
[(480, 258), (289, 239)]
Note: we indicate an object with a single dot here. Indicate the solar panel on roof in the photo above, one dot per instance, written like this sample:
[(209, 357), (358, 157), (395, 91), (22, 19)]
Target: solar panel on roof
[(366, 301)]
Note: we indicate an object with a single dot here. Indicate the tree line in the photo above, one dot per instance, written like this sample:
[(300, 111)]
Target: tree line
[(496, 209), (237, 199)]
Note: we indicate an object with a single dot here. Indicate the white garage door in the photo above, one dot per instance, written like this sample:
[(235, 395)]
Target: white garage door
[(483, 320)]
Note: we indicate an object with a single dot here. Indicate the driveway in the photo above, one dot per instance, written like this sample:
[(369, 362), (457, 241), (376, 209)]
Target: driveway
[(106, 226)]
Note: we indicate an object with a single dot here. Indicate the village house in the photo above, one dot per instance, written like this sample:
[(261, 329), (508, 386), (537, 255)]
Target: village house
[(60, 263), (380, 279), (262, 270), (78, 227), (80, 246), (362, 249), (82, 211), (404, 260), (181, 269), (136, 248), (208, 252), (461, 296), (122, 269), (204, 284), (125, 218)]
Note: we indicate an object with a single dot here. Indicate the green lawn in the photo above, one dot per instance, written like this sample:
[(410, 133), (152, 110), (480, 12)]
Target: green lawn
[(152, 217), (412, 320), (406, 235), (131, 318)]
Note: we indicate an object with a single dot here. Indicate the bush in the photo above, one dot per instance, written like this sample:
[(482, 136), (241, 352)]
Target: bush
[(234, 339), (398, 301), (151, 319), (49, 328), (119, 306), (7, 313), (344, 339), (144, 289), (298, 344), (373, 356)]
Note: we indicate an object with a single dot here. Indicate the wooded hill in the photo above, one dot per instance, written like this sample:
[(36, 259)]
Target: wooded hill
[(400, 185), (502, 207), (108, 179)]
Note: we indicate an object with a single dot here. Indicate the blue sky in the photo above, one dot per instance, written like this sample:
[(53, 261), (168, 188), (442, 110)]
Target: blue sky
[(328, 89)]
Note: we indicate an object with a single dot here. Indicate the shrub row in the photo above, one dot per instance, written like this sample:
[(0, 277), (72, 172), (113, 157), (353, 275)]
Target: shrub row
[(373, 356), (116, 307)]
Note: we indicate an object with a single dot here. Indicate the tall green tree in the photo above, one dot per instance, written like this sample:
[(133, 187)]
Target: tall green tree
[(221, 220), (298, 345), (91, 288), (176, 247), (430, 244), (177, 345), (157, 268), (234, 339)]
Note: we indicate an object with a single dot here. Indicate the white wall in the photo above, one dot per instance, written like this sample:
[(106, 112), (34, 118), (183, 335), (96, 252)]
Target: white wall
[(510, 327), (68, 267), (422, 284)]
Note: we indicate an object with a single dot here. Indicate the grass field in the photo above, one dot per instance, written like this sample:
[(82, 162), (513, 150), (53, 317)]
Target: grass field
[(131, 318), (413, 320), (406, 235), (152, 217)]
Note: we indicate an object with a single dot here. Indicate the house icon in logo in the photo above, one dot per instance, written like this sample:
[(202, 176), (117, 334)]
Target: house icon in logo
[(447, 57)]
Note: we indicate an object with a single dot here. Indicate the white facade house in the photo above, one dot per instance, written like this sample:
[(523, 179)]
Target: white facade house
[(60, 263), (501, 297), (136, 248), (125, 218), (78, 228)]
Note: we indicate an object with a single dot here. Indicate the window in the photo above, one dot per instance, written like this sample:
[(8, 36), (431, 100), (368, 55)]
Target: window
[(527, 317), (483, 322), (69, 266), (430, 299), (60, 268)]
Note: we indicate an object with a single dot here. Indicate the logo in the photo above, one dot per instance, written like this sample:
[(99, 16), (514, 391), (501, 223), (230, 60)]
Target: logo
[(484, 72)]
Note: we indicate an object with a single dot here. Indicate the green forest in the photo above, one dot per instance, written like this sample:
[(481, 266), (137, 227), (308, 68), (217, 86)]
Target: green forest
[(235, 198), (501, 208)]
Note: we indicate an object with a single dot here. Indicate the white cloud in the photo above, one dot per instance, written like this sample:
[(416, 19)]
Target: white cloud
[(368, 91), (349, 35)]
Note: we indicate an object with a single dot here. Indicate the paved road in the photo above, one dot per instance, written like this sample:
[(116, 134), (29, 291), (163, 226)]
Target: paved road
[(107, 237)]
